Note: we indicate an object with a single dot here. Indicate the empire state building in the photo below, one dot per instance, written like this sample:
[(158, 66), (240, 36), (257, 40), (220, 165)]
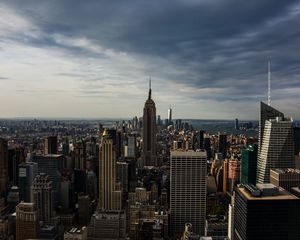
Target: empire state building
[(149, 132)]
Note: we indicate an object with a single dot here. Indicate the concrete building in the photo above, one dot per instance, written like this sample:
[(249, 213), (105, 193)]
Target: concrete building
[(27, 173), (50, 145), (52, 165), (27, 222), (109, 197), (42, 196), (131, 147), (80, 155), (222, 145), (285, 178), (188, 190), (107, 225)]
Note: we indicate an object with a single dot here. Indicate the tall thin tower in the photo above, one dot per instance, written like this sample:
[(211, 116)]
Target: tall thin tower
[(269, 84), (149, 131), (170, 115)]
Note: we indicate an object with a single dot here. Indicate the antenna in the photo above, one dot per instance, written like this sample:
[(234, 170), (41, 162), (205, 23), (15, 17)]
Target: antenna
[(269, 84), (149, 96)]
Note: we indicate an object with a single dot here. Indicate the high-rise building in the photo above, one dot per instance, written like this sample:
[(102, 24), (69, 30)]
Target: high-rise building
[(122, 175), (198, 140), (277, 148), (80, 155), (131, 150), (285, 178), (159, 121), (27, 221), (27, 173), (41, 191), (207, 147), (149, 132), (266, 212), (52, 165), (188, 190), (15, 157), (266, 113), (107, 225), (223, 144), (84, 209), (50, 145), (236, 124), (249, 164), (170, 116), (3, 167), (109, 197), (297, 140), (234, 170), (225, 176)]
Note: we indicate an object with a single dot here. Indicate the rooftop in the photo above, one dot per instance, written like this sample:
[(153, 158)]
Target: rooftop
[(189, 153), (282, 195)]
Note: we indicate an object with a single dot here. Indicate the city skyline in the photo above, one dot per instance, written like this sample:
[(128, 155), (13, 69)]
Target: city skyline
[(208, 59)]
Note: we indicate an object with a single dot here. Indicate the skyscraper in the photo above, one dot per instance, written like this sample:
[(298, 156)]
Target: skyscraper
[(149, 131), (266, 112), (3, 167), (266, 212), (277, 148), (52, 165), (50, 145), (249, 165), (188, 190), (41, 191), (26, 221), (109, 197), (236, 124), (223, 144), (131, 150), (170, 116), (16, 156), (80, 155), (27, 173)]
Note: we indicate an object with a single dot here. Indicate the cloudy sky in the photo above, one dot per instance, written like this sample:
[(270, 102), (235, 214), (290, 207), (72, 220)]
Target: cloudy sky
[(207, 58)]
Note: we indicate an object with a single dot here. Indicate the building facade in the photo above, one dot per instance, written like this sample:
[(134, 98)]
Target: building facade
[(109, 197), (27, 221), (266, 213), (249, 164), (42, 191), (188, 190), (277, 148)]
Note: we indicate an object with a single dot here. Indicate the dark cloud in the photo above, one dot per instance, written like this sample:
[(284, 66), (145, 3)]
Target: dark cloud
[(206, 44)]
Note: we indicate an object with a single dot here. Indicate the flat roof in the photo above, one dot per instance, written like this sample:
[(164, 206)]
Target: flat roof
[(188, 153), (283, 195)]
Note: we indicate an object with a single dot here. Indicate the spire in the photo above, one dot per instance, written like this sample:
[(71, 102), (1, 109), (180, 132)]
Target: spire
[(269, 84), (149, 96)]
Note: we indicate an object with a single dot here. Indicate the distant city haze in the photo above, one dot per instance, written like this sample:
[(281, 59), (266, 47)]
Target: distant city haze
[(207, 59)]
